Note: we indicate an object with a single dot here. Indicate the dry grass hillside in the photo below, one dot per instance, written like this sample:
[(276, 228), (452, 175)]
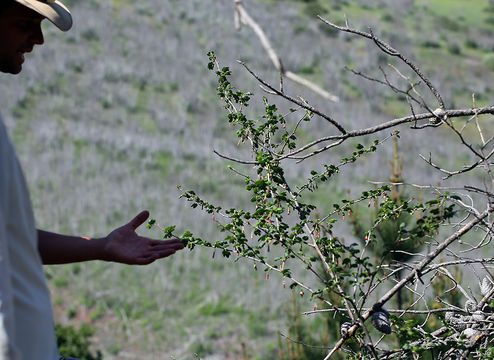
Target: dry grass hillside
[(110, 117)]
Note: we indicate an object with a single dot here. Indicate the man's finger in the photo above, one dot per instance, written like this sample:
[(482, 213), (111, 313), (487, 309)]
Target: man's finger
[(145, 260), (162, 247), (139, 219), (172, 242)]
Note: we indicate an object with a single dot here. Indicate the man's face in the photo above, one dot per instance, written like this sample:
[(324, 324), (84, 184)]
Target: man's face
[(20, 30)]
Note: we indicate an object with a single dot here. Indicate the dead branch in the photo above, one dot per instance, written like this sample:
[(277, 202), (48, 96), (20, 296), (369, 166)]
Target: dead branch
[(246, 19)]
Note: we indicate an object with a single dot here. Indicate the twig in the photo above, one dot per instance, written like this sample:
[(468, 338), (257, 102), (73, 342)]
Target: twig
[(386, 48), (293, 100)]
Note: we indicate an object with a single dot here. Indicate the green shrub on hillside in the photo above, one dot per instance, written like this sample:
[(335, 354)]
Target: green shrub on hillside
[(74, 342), (471, 44), (448, 23), (454, 49), (489, 61), (431, 44)]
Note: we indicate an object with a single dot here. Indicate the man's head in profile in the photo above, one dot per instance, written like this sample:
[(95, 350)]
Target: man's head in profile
[(20, 28)]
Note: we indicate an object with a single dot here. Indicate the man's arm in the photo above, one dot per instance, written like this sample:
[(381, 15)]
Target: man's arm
[(122, 245)]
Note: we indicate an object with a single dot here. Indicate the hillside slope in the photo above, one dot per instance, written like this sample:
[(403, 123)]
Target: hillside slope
[(110, 117)]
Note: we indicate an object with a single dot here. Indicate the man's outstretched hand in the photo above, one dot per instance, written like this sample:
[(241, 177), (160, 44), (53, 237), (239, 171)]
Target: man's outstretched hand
[(123, 245)]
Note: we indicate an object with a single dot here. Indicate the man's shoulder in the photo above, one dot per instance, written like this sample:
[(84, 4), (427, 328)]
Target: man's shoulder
[(3, 129), (7, 152), (4, 138)]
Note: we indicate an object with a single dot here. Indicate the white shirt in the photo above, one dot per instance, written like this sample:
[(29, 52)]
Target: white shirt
[(26, 319)]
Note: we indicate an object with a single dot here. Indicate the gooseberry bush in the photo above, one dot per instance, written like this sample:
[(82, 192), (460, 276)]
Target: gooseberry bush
[(283, 232)]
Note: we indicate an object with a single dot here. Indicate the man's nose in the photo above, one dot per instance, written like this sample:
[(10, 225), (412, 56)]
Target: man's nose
[(37, 36)]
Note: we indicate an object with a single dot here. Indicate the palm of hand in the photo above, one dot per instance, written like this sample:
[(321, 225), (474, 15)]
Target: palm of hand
[(125, 246)]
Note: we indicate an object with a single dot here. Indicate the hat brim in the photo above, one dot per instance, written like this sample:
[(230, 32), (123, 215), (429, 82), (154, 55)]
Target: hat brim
[(56, 12)]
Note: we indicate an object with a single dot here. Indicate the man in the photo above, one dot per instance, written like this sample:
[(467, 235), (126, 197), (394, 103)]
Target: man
[(26, 320)]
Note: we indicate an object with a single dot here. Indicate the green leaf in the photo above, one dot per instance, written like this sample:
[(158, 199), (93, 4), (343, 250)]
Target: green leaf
[(150, 223)]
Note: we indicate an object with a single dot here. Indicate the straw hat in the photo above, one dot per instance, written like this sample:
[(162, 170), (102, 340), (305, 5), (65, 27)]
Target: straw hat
[(53, 10)]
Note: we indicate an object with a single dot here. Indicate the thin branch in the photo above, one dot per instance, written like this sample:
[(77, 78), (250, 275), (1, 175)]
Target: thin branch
[(468, 168), (234, 159), (386, 48), (293, 100), (393, 311), (378, 128)]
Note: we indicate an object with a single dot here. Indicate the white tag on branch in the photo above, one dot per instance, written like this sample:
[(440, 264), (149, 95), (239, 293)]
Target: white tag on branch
[(440, 115)]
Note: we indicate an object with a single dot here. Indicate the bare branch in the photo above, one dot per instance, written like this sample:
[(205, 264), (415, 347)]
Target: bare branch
[(388, 49), (246, 19)]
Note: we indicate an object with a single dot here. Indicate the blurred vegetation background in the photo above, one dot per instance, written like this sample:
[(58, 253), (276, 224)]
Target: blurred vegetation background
[(108, 118)]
